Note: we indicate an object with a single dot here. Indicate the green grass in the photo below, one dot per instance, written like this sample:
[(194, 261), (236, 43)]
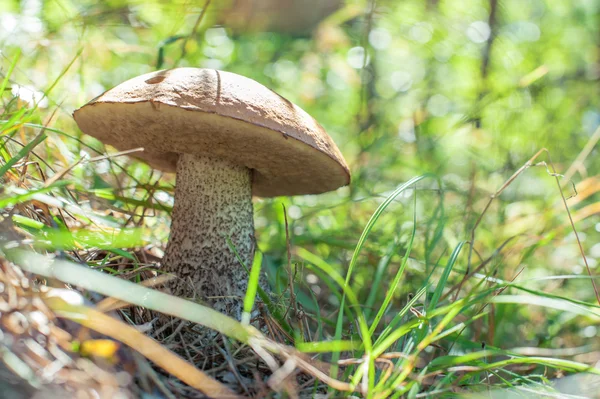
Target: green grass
[(387, 352)]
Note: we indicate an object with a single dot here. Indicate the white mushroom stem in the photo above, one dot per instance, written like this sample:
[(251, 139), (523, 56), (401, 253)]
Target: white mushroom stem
[(213, 201)]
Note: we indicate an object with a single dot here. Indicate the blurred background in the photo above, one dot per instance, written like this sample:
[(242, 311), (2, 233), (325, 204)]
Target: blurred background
[(466, 90)]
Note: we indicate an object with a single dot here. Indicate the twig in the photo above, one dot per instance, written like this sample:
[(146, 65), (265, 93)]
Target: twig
[(564, 200), (483, 264), (226, 353), (487, 51), (63, 172), (578, 163), (279, 377), (507, 183), (262, 347)]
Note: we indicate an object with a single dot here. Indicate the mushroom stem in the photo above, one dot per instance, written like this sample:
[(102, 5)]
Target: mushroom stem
[(213, 201)]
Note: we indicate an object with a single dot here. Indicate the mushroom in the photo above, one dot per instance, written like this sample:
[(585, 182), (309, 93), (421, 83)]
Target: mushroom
[(227, 138)]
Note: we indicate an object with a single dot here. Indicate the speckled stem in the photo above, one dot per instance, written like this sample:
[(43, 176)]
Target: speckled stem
[(213, 200)]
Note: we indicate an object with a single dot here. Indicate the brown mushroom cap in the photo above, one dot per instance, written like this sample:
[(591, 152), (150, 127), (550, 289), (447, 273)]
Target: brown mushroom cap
[(216, 113)]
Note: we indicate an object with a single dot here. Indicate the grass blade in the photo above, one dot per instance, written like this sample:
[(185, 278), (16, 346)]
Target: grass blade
[(136, 294), (396, 281), (10, 70), (252, 287), (22, 153), (143, 344), (439, 289)]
